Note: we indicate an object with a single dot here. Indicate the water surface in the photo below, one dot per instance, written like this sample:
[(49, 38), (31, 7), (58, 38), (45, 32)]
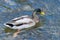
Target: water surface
[(10, 9)]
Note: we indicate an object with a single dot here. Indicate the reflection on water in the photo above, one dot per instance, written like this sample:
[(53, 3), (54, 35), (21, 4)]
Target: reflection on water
[(7, 30)]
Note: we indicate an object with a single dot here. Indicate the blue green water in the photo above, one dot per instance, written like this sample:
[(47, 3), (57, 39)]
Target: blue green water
[(10, 9)]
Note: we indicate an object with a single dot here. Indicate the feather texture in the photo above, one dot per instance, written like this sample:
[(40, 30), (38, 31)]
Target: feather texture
[(21, 22)]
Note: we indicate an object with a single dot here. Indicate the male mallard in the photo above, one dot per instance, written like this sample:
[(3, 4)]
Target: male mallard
[(24, 21)]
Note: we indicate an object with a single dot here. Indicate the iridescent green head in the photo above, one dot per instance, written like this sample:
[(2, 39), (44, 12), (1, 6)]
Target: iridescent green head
[(39, 11)]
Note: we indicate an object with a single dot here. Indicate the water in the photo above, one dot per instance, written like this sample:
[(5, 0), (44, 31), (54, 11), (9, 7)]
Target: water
[(10, 9)]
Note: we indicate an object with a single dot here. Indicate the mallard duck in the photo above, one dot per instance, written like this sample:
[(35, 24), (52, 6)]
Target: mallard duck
[(24, 21)]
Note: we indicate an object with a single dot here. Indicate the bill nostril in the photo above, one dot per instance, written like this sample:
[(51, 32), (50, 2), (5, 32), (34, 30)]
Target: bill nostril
[(9, 24)]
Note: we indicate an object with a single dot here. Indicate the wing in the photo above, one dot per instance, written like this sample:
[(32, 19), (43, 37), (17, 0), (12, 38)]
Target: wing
[(25, 16), (21, 19), (21, 22), (24, 23)]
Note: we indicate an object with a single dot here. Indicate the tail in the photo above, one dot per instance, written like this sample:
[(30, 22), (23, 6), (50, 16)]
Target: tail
[(8, 24)]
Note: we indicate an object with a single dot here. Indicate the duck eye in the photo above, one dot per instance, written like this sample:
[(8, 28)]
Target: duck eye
[(38, 13), (38, 10)]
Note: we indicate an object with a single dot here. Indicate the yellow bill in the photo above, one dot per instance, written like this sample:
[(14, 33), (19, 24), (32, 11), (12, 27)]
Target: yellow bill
[(42, 13)]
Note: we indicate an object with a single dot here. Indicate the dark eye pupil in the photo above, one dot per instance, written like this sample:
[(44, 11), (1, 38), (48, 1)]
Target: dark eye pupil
[(38, 10)]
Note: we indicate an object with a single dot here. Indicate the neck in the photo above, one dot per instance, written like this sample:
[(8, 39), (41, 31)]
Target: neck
[(35, 17)]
